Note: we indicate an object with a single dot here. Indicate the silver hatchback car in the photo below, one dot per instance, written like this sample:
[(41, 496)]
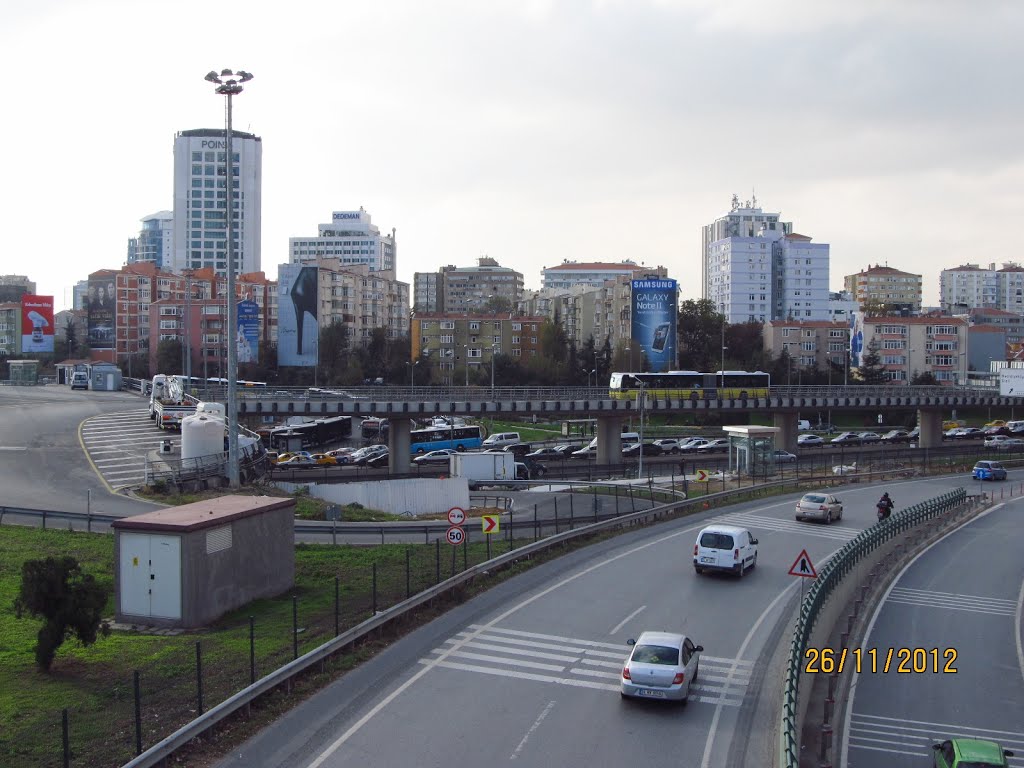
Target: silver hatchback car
[(819, 506), (662, 665)]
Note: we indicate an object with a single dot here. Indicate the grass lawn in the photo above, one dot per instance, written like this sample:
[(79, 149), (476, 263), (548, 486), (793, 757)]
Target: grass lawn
[(96, 683)]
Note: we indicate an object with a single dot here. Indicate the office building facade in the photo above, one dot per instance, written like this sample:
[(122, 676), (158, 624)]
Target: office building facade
[(352, 239), (896, 291), (155, 241)]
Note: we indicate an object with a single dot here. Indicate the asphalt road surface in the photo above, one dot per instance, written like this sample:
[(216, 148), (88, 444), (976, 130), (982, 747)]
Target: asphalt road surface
[(42, 464), (962, 595), (528, 672)]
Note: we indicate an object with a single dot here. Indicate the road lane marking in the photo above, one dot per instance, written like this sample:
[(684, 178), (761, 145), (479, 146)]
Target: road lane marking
[(950, 601), (13, 448), (513, 662), (884, 721), (852, 693), (622, 623), (532, 728)]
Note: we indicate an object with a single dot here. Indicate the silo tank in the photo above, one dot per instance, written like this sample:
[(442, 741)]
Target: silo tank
[(201, 435)]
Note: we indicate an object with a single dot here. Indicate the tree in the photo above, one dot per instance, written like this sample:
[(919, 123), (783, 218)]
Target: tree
[(924, 379), (699, 331), (69, 601), (71, 336), (498, 305), (168, 356), (334, 354), (871, 370), (745, 347)]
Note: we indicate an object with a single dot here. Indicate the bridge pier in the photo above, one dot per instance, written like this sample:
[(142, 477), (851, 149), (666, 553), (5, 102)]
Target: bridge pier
[(609, 440), (931, 428), (785, 438), (398, 444)]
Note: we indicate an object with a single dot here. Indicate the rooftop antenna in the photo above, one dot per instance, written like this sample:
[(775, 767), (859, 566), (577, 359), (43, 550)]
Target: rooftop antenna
[(753, 200)]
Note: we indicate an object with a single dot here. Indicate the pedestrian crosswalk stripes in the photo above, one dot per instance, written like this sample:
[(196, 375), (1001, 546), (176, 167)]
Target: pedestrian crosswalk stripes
[(951, 601), (877, 733), (573, 662), (118, 445), (841, 532)]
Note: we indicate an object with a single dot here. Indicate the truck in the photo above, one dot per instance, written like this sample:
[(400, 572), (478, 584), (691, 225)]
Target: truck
[(169, 404), (486, 468)]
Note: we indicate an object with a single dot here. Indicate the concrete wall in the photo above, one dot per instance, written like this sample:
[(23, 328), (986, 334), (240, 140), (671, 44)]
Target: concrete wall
[(412, 497)]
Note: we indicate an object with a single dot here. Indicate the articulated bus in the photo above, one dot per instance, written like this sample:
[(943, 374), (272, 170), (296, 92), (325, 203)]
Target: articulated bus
[(457, 437), (691, 385), (315, 432)]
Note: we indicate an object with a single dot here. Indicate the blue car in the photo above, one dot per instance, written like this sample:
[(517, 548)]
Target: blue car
[(988, 470)]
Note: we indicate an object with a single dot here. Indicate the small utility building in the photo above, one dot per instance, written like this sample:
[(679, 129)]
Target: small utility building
[(187, 566)]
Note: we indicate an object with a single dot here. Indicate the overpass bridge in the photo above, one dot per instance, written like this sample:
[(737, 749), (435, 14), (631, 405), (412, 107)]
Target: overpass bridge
[(400, 405)]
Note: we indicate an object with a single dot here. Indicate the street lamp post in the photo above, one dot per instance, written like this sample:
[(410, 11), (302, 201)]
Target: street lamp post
[(412, 373), (722, 371), (230, 84), (643, 403), (594, 374), (466, 347), (492, 372)]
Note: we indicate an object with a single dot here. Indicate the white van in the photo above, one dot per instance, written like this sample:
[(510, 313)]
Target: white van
[(79, 380), (501, 439), (803, 425), (625, 439), (724, 548)]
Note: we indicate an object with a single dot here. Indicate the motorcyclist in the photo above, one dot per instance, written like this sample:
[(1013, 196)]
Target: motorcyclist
[(884, 506)]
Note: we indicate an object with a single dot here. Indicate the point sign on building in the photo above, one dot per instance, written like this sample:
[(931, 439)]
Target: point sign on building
[(803, 566), (490, 523), (456, 516)]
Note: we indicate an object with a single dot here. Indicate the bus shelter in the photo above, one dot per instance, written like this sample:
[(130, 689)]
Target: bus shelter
[(751, 449)]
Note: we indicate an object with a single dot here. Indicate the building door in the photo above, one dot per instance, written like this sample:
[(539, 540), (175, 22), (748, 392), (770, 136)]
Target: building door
[(110, 382), (134, 584), (150, 575)]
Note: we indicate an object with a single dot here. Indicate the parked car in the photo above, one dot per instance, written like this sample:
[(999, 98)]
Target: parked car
[(440, 456), (378, 460), (724, 548), (896, 436), (846, 438), (993, 431), (996, 440), (969, 433), (869, 437), (633, 449), (783, 457), (988, 470), (914, 434), (662, 665), (1015, 444), (586, 452), (970, 753), (518, 449), (667, 444), (820, 506), (713, 446), (370, 452), (996, 423), (565, 450), (546, 453), (807, 441), (296, 462), (691, 445)]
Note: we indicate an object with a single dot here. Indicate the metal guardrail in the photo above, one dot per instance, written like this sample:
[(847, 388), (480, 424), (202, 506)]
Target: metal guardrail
[(828, 579)]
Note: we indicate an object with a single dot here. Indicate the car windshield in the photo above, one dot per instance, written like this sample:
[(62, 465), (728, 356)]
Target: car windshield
[(716, 540), (655, 654)]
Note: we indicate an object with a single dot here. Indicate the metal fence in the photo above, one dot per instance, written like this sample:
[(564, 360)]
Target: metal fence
[(828, 580)]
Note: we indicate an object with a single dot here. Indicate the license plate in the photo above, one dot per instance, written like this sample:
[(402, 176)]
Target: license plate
[(707, 559), (651, 694)]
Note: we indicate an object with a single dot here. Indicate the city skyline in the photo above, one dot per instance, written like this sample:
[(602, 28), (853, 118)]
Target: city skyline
[(530, 133)]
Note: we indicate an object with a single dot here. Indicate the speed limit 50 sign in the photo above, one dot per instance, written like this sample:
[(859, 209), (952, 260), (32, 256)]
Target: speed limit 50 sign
[(455, 535)]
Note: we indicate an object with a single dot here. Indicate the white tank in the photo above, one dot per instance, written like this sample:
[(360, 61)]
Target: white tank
[(201, 435), (212, 409)]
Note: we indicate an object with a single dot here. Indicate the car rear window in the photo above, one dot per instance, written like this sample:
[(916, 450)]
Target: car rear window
[(716, 540), (815, 498), (656, 654)]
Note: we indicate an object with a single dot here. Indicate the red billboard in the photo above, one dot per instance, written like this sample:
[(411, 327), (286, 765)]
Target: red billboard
[(36, 323)]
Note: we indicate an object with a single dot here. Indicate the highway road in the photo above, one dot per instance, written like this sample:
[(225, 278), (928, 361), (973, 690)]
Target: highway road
[(42, 464), (964, 593), (528, 672)]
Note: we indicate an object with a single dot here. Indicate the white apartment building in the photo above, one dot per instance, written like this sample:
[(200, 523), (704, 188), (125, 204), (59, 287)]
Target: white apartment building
[(200, 201), (155, 241), (352, 239), (744, 219), (971, 286), (595, 274), (770, 276), (362, 299)]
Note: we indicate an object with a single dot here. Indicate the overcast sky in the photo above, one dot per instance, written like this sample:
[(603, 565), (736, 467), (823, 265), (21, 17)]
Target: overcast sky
[(530, 131)]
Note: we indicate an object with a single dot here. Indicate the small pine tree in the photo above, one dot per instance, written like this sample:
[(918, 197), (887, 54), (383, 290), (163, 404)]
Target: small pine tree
[(69, 601), (871, 370)]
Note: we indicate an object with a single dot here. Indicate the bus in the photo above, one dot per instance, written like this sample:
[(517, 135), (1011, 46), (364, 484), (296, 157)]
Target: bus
[(457, 437), (315, 432), (691, 385)]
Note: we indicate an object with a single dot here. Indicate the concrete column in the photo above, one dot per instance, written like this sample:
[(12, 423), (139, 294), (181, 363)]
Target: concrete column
[(609, 440), (931, 429), (785, 438), (398, 444)]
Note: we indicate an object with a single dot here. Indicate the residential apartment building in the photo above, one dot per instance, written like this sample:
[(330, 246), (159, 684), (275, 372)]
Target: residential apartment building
[(453, 345), (13, 287), (1011, 323), (913, 345), (10, 328), (897, 291), (744, 219), (970, 286), (155, 241), (200, 201), (841, 306), (811, 344), (593, 274), (352, 238), (79, 294), (362, 299), (466, 289)]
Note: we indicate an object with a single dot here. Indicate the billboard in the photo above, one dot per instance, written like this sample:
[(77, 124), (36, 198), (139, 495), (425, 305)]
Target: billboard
[(247, 341), (856, 338), (654, 316), (36, 323), (297, 325), (100, 312)]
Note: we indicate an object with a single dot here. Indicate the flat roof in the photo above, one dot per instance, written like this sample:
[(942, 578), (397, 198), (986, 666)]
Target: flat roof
[(202, 514), (747, 431)]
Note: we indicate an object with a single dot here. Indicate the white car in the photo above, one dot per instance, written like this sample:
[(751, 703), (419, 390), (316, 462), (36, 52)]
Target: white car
[(662, 665), (724, 548), (805, 441), (667, 444)]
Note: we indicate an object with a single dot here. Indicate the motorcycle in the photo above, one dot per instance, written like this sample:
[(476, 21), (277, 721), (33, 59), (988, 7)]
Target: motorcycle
[(883, 511)]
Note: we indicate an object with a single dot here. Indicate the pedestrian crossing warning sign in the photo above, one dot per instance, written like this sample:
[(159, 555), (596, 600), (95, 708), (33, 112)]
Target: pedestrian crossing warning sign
[(803, 566)]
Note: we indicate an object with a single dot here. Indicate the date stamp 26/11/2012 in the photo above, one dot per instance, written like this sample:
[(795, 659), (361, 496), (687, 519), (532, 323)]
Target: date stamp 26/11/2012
[(904, 661)]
